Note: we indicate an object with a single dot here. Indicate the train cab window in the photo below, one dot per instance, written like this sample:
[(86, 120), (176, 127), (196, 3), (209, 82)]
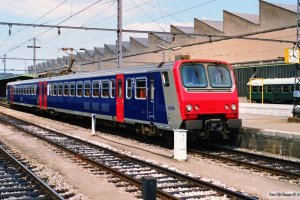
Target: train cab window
[(193, 75), (165, 79), (79, 89), (87, 89), (60, 89), (285, 89), (95, 89), (219, 76), (105, 88), (55, 89), (112, 88), (269, 89), (140, 88), (66, 89), (128, 88), (254, 89), (72, 89)]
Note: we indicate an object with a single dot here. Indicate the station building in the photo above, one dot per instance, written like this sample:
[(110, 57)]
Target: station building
[(250, 58)]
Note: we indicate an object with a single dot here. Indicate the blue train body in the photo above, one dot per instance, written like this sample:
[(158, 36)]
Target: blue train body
[(197, 95)]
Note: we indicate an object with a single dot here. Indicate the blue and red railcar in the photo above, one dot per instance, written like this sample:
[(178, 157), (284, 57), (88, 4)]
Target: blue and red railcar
[(197, 95)]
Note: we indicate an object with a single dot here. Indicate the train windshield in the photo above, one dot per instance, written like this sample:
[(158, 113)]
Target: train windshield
[(194, 75), (219, 76)]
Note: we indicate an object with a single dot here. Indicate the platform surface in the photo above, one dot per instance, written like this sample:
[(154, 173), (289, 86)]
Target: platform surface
[(270, 119)]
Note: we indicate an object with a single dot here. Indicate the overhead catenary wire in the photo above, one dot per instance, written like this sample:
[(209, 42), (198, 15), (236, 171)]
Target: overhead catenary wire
[(245, 37), (47, 13), (78, 12)]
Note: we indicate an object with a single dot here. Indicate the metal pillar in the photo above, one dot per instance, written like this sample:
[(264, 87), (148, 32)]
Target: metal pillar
[(119, 34), (34, 53), (296, 108), (4, 61)]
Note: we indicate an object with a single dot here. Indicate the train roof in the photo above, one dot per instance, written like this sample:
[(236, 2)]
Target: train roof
[(273, 81), (125, 70)]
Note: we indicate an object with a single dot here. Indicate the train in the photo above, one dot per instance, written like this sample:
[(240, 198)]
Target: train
[(275, 90), (199, 96)]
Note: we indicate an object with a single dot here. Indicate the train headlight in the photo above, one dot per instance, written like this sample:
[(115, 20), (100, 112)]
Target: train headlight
[(226, 107), (233, 107), (196, 107), (189, 107)]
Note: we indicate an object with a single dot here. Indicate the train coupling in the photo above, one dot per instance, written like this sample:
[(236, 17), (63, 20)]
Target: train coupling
[(214, 125)]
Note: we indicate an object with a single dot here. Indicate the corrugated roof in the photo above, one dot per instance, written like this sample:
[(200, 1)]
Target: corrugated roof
[(100, 50), (126, 45), (218, 25), (165, 37), (249, 17), (292, 8), (185, 29), (143, 41)]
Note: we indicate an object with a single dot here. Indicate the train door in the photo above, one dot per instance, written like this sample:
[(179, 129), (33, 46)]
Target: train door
[(11, 94), (151, 97), (120, 97), (45, 95), (41, 95)]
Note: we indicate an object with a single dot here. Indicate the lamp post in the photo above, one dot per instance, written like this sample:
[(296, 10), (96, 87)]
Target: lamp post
[(169, 49)]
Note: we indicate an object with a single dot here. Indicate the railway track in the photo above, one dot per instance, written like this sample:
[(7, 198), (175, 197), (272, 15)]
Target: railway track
[(129, 170), (285, 168), (18, 182)]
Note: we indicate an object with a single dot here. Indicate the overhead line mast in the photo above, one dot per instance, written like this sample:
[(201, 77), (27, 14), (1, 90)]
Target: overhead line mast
[(296, 108), (119, 34)]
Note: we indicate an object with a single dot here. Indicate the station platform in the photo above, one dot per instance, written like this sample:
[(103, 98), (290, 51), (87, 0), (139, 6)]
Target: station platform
[(266, 128), (270, 119)]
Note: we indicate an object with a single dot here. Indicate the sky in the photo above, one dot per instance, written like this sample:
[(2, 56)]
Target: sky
[(151, 15)]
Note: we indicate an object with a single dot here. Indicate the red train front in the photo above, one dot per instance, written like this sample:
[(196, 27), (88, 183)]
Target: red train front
[(207, 97)]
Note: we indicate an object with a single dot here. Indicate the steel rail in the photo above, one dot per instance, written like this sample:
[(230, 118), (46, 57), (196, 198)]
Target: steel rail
[(45, 187), (249, 164), (160, 193)]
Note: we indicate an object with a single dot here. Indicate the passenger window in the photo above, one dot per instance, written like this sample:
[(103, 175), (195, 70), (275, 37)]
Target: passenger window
[(87, 89), (48, 89), (60, 89), (32, 89), (120, 88), (140, 88), (112, 88), (165, 78), (285, 89), (72, 89), (254, 89), (95, 88), (128, 88), (260, 89), (269, 88), (79, 89), (292, 87), (105, 89), (54, 89), (66, 89), (152, 89)]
